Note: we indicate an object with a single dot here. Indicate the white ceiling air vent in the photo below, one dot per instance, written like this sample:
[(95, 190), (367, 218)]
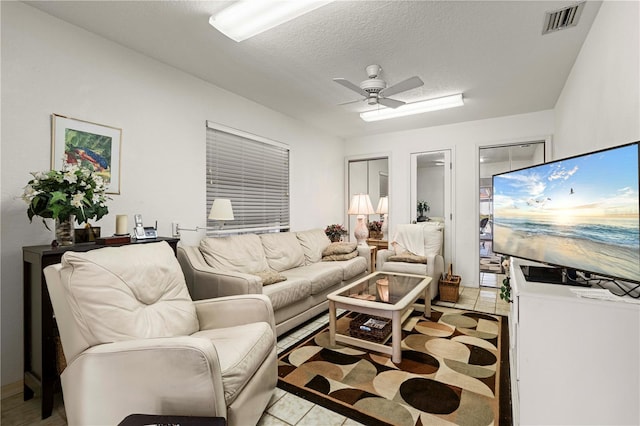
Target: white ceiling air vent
[(562, 18)]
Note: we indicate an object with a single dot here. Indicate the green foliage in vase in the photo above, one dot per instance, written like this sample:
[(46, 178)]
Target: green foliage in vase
[(422, 207), (73, 191)]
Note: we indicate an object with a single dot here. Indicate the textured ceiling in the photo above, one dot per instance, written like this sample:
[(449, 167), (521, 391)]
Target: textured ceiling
[(492, 51)]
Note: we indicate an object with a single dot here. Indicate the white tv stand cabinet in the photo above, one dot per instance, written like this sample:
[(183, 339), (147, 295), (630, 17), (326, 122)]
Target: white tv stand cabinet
[(574, 361)]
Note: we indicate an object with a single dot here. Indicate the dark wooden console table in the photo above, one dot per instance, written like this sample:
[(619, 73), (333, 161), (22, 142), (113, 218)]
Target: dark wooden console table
[(40, 329)]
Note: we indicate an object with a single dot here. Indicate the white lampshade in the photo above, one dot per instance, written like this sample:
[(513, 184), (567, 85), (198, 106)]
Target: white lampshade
[(361, 205), (221, 210), (383, 205)]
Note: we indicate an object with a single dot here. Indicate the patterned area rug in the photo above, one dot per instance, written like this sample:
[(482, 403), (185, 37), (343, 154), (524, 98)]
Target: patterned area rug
[(454, 370)]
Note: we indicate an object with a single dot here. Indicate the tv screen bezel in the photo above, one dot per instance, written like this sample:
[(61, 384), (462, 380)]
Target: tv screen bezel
[(546, 262)]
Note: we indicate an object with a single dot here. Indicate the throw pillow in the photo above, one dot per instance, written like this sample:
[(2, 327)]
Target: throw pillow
[(343, 256), (270, 277), (340, 248), (408, 258)]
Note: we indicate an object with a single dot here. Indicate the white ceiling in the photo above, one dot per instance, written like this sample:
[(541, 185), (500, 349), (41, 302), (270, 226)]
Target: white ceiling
[(492, 51)]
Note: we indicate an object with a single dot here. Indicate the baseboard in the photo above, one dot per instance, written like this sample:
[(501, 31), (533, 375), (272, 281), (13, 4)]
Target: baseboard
[(11, 389)]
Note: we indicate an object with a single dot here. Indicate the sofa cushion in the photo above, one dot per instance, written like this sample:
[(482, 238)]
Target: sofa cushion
[(334, 257), (322, 275), (130, 292), (283, 251), (352, 267), (288, 292), (405, 268), (313, 243), (240, 358), (269, 277), (340, 248), (237, 253)]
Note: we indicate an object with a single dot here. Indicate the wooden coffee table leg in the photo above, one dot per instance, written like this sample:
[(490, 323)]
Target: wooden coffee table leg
[(427, 302), (396, 337), (332, 323)]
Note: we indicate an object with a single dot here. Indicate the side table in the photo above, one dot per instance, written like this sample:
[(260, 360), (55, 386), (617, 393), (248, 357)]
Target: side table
[(380, 244), (40, 329)]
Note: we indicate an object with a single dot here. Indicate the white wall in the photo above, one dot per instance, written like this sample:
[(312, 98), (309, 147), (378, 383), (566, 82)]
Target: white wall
[(599, 106), (49, 66), (464, 140)]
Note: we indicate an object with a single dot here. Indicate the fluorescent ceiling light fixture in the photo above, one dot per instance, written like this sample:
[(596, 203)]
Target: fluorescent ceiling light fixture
[(247, 18), (414, 108)]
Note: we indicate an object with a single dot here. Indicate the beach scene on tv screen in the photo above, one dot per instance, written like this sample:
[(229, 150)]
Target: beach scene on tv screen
[(581, 213)]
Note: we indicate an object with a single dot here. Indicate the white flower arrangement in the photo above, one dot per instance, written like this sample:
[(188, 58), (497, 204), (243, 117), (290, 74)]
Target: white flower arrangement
[(74, 191)]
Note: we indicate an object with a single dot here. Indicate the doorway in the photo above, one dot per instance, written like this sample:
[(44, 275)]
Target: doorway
[(431, 183), (495, 160)]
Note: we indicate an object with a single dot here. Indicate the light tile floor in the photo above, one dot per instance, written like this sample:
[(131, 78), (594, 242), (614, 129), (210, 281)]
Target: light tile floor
[(284, 409)]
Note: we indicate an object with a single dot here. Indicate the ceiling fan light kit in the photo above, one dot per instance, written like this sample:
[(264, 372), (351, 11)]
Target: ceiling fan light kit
[(247, 18), (414, 108)]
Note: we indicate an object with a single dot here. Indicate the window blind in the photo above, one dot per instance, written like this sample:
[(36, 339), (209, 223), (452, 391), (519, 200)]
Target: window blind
[(251, 171)]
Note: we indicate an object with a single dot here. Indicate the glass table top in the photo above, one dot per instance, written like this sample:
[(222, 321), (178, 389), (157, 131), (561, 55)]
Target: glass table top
[(382, 287)]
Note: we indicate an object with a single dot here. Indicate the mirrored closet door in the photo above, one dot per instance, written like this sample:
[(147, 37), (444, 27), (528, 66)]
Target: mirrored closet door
[(494, 160)]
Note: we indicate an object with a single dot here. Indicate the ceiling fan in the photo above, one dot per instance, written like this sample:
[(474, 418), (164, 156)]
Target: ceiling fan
[(375, 90)]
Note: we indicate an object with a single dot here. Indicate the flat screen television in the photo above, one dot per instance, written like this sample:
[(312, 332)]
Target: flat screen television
[(579, 213)]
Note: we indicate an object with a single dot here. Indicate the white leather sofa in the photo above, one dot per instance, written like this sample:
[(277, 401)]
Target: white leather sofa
[(135, 342), (415, 249), (230, 265)]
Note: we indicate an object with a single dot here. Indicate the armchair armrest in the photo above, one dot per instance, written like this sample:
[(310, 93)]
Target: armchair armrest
[(235, 310), (382, 257), (205, 282), (136, 375), (435, 267)]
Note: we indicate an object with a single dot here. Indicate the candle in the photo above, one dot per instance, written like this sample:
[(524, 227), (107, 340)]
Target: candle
[(121, 224)]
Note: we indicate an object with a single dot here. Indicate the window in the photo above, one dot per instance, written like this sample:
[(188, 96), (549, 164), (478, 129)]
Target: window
[(251, 171)]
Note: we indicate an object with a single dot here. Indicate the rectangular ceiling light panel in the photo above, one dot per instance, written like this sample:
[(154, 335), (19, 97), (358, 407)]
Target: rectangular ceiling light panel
[(414, 108), (247, 18)]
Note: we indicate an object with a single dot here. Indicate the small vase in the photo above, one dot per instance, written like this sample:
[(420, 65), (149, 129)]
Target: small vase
[(335, 238), (65, 231)]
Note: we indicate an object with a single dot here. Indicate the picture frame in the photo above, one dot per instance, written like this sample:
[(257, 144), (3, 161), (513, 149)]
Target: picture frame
[(89, 144)]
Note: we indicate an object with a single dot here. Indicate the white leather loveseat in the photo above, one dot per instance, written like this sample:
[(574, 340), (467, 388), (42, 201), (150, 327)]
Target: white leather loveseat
[(250, 263)]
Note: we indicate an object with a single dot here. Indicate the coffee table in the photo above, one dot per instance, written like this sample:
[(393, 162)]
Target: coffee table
[(369, 296)]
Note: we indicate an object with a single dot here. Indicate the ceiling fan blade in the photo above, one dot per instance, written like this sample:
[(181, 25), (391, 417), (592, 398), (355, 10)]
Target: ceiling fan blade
[(350, 85), (391, 103), (352, 102), (408, 84)]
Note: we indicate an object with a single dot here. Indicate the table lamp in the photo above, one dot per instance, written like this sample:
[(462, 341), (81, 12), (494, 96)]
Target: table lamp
[(383, 209), (361, 206), (221, 210)]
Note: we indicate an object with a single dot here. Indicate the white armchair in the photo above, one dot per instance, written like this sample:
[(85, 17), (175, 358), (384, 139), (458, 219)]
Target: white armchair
[(135, 342), (415, 249)]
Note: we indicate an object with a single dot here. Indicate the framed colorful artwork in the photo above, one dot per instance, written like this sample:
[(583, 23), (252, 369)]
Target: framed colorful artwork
[(89, 145)]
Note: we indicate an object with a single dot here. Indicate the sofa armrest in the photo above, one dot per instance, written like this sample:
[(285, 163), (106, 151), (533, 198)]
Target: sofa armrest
[(365, 251), (382, 257), (205, 282), (235, 310)]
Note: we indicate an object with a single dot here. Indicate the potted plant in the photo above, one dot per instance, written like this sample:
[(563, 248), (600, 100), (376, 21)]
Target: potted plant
[(335, 232), (422, 208), (375, 229), (74, 193)]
